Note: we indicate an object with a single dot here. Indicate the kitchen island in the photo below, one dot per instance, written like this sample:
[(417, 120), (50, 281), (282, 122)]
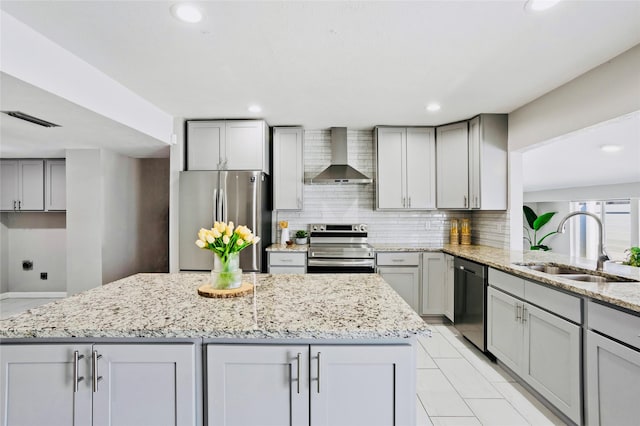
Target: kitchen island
[(301, 349)]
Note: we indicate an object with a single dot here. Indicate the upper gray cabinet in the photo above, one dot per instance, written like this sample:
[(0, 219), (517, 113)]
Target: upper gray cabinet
[(405, 161), (22, 185), (288, 168), (472, 164), (228, 145), (55, 193)]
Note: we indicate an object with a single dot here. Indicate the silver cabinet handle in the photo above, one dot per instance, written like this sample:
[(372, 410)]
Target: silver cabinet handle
[(519, 313), (286, 260), (409, 201), (14, 204), (76, 379), (403, 202), (19, 204), (524, 314), (318, 372), (477, 203), (299, 356), (465, 201), (299, 202), (515, 310), (397, 260), (96, 378)]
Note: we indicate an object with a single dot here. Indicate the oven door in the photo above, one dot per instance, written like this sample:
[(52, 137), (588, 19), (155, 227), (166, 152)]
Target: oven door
[(340, 266)]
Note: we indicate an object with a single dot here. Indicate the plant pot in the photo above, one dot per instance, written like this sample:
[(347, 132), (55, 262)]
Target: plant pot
[(226, 274), (301, 241)]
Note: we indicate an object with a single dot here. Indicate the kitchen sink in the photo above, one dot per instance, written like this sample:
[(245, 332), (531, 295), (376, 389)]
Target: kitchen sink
[(576, 274)]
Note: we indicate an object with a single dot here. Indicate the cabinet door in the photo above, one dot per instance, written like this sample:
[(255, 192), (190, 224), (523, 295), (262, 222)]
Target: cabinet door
[(362, 385), (433, 284), (8, 185), (257, 385), (245, 145), (391, 177), (31, 184), (475, 159), (421, 168), (145, 384), (56, 185), (613, 382), (205, 145), (551, 359), (405, 281), (449, 295), (36, 385), (452, 166), (504, 328), (288, 164)]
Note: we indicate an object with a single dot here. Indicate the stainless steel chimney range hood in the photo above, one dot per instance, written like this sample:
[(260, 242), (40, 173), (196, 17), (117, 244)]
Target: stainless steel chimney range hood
[(339, 172)]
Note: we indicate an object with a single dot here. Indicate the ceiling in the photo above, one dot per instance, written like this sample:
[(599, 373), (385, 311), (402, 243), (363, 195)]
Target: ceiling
[(323, 64)]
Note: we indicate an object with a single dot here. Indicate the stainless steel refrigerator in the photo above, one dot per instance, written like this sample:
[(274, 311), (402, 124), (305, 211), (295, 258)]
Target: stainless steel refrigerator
[(242, 197)]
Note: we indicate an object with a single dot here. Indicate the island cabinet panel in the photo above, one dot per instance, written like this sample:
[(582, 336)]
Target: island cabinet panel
[(323, 385), (38, 385), (542, 348), (110, 384)]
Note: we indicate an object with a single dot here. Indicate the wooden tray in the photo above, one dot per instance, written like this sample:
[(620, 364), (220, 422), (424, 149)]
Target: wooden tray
[(207, 291)]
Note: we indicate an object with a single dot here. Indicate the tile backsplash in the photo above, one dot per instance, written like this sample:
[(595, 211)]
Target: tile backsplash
[(355, 203)]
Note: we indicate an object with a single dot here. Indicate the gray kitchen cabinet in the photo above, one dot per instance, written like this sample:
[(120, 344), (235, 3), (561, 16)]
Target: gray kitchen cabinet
[(55, 192), (472, 163), (452, 157), (22, 185), (141, 384), (433, 284), (287, 262), (317, 385), (488, 162), (402, 271), (448, 286), (228, 145), (405, 160), (612, 367), (539, 346), (288, 168)]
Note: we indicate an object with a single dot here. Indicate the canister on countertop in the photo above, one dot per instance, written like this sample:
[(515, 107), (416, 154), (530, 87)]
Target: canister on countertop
[(453, 234), (465, 232)]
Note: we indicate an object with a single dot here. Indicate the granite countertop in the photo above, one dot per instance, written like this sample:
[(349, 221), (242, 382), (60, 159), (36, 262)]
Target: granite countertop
[(623, 294), (407, 248), (293, 247), (317, 306)]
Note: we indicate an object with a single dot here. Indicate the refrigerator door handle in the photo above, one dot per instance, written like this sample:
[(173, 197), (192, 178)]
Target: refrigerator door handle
[(223, 206), (215, 205)]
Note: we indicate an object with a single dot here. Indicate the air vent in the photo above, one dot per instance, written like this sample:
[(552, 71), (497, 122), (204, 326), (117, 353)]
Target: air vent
[(30, 118)]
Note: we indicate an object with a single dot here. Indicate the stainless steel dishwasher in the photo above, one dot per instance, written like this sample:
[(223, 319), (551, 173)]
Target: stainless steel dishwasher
[(470, 302)]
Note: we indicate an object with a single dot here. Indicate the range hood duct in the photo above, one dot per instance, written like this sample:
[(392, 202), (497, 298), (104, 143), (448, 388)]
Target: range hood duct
[(339, 172)]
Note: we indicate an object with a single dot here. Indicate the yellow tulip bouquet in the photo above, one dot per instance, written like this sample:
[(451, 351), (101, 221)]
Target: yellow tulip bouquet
[(226, 242)]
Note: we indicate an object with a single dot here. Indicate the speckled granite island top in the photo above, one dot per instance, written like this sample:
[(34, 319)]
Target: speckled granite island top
[(317, 306), (623, 294)]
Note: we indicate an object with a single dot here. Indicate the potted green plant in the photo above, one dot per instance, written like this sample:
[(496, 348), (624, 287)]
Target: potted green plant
[(301, 237), (633, 257), (536, 222)]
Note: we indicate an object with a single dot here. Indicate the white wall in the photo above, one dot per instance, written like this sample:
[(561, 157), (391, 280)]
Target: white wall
[(585, 193), (121, 204), (40, 238), (84, 220)]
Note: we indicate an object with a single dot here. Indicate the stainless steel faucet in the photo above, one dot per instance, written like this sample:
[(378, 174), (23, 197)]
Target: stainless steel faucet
[(602, 255)]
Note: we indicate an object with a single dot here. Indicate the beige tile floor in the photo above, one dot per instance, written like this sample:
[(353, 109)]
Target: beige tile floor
[(457, 385)]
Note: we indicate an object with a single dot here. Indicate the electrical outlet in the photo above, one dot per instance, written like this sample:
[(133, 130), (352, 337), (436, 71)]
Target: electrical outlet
[(44, 275)]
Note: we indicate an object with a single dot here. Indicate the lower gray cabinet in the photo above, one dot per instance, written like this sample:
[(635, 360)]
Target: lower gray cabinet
[(612, 367), (542, 348), (318, 385), (110, 384), (401, 270), (433, 284)]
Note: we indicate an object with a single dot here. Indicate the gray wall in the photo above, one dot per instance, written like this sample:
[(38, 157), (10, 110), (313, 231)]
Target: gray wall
[(84, 220)]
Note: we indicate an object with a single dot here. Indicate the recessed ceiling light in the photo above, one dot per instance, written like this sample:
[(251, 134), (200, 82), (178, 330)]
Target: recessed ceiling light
[(433, 107), (539, 5), (186, 13), (610, 148), (255, 108)]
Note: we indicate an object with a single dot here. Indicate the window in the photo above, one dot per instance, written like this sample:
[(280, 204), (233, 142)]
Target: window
[(616, 219)]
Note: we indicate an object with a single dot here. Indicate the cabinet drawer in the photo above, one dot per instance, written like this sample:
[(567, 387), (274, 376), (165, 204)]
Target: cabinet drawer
[(612, 322), (287, 259), (398, 259), (559, 303), (506, 282), (287, 270)]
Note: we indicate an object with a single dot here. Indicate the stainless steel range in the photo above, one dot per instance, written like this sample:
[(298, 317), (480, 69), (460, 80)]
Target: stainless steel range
[(340, 248)]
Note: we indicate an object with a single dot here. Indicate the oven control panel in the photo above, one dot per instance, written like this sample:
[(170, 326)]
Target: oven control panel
[(323, 227)]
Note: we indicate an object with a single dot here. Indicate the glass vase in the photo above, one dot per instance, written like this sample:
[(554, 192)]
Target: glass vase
[(226, 273)]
